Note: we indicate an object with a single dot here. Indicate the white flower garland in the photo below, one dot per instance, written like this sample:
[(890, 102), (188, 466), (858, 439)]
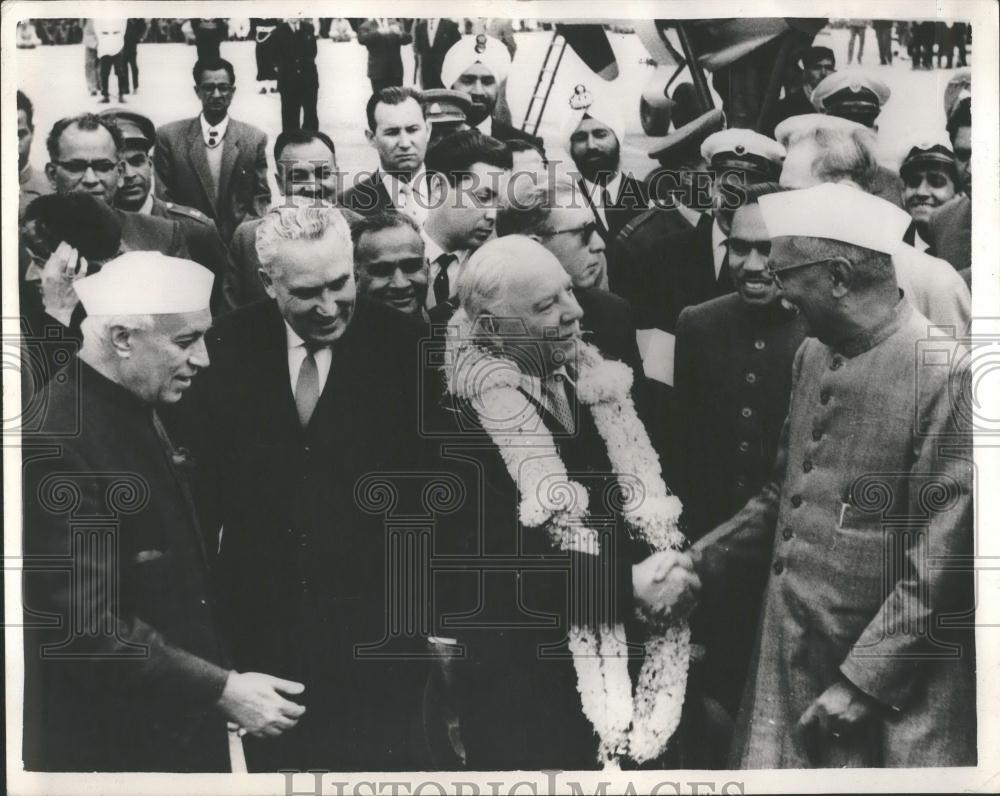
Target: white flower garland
[(637, 725)]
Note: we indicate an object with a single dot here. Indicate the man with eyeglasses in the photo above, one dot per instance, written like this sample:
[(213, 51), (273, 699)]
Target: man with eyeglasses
[(853, 664), (136, 196), (85, 155), (212, 162), (558, 215)]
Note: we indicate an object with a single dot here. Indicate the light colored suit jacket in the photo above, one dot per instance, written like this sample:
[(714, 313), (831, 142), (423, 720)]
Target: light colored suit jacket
[(183, 175)]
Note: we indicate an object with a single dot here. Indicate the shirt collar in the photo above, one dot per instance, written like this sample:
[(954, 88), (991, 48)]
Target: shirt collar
[(147, 206), (415, 183), (718, 236), (870, 338), (220, 128), (613, 185), (688, 214), (486, 126), (292, 337)]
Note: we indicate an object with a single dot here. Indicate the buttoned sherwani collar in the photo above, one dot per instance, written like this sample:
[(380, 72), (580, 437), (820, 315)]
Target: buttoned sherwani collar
[(870, 338)]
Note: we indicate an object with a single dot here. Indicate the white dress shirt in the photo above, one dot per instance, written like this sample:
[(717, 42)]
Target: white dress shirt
[(432, 251), (486, 126), (919, 243), (408, 197), (719, 247), (689, 215), (596, 194), (147, 206), (297, 355)]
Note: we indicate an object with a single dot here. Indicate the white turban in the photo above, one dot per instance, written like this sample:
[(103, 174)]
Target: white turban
[(478, 49), (603, 109)]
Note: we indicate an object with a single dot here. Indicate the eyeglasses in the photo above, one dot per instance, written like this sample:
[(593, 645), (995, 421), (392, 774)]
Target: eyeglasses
[(80, 167), (775, 273), (585, 230)]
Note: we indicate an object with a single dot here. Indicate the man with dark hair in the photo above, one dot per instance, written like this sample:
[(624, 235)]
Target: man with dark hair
[(212, 162), (136, 196), (950, 227), (32, 184), (930, 179), (466, 175), (432, 38), (817, 63), (389, 262), (293, 48), (859, 661), (305, 169), (732, 379), (398, 131), (383, 37), (85, 155)]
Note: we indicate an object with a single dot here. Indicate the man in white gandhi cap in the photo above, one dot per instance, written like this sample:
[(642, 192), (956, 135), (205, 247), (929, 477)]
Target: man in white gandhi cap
[(593, 132), (478, 65), (134, 676), (853, 666)]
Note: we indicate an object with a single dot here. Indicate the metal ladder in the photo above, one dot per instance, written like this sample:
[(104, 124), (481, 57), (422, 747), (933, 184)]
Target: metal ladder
[(547, 74)]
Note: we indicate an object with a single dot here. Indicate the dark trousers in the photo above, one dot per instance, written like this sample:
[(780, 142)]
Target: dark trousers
[(116, 61), (883, 35), (298, 107), (129, 62)]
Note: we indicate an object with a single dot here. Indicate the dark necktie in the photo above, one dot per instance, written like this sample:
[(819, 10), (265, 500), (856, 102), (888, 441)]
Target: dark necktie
[(307, 389), (442, 282), (558, 401)]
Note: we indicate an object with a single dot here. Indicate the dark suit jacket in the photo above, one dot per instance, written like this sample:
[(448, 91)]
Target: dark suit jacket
[(519, 709), (505, 132), (203, 241), (951, 232), (430, 54), (140, 696), (183, 176), (632, 199), (384, 62), (146, 233), (241, 283), (294, 54), (367, 196), (661, 264), (300, 565)]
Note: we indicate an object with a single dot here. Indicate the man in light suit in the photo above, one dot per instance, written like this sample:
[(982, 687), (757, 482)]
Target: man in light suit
[(432, 38), (312, 389), (213, 163)]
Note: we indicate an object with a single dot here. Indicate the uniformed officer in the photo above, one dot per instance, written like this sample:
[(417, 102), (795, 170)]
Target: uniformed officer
[(930, 179), (446, 111), (136, 195)]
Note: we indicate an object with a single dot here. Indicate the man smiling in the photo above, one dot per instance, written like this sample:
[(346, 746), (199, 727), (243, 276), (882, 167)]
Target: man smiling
[(389, 261), (930, 179)]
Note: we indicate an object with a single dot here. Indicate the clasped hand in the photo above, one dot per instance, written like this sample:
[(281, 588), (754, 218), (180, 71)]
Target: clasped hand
[(665, 586)]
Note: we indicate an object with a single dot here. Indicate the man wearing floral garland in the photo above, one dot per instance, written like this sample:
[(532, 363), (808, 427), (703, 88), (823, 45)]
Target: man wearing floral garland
[(573, 592)]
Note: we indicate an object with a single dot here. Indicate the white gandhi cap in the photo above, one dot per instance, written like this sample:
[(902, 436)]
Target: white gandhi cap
[(146, 283), (836, 212)]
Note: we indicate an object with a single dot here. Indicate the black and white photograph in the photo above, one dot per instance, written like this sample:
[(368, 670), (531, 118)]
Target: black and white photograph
[(589, 398)]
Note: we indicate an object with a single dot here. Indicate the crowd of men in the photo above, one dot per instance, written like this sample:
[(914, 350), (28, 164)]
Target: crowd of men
[(249, 387)]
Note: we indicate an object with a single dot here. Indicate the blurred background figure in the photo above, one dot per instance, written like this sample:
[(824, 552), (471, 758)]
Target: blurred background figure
[(431, 40), (261, 30), (135, 31), (293, 50), (883, 36), (90, 67), (383, 37), (27, 36), (857, 28), (208, 35), (110, 43)]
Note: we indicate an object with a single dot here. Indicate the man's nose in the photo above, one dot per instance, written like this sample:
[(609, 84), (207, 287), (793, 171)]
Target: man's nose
[(755, 261), (399, 279), (199, 354), (597, 243), (573, 312), (90, 175)]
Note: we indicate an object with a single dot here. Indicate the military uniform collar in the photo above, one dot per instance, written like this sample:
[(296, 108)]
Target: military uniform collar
[(870, 338), (112, 391)]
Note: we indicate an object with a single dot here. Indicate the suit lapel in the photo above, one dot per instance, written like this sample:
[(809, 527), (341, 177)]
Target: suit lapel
[(703, 253), (230, 152), (196, 152), (601, 226), (273, 362)]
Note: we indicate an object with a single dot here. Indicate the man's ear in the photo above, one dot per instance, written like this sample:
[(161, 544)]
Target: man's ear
[(50, 172), (267, 281), (121, 341), (370, 137), (841, 276), (438, 189)]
